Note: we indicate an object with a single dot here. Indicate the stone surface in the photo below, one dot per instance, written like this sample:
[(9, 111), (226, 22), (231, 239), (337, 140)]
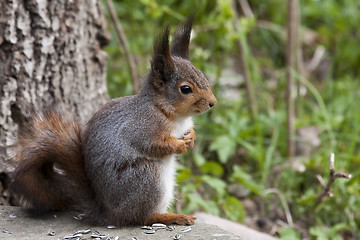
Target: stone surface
[(240, 230), (17, 224)]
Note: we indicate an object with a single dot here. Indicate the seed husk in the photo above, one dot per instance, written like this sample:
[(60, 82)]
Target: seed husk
[(7, 231), (185, 230), (85, 231), (158, 225), (98, 236), (69, 236), (152, 231), (147, 227), (170, 228)]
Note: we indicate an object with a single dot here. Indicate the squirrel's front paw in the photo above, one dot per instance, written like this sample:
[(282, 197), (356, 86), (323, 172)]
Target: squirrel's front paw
[(182, 147), (189, 138)]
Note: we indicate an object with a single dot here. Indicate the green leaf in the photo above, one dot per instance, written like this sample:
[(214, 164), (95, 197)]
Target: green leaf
[(289, 233), (224, 146), (319, 233), (246, 180), (234, 209), (187, 188), (337, 228), (215, 183), (225, 8), (196, 201), (248, 146), (212, 168), (199, 159), (183, 175), (308, 197), (245, 24)]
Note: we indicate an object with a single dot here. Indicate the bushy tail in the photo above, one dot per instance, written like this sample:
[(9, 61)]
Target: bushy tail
[(50, 172)]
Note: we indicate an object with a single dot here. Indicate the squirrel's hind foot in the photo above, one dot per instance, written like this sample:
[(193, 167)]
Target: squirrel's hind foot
[(171, 218)]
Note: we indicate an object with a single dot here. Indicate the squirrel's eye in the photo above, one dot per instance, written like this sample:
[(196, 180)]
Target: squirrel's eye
[(186, 89)]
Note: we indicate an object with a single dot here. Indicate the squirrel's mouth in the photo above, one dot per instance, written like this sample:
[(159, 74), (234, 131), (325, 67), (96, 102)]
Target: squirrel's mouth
[(197, 111)]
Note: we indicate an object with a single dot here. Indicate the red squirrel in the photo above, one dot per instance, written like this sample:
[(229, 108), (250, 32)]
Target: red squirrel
[(119, 169)]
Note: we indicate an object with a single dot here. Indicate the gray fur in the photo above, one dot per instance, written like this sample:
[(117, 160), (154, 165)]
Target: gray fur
[(118, 141)]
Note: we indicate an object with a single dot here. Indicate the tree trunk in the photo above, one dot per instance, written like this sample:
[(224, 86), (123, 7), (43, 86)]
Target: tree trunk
[(51, 56)]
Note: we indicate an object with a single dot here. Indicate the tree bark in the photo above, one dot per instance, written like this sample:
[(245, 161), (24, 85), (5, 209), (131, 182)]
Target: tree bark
[(51, 56)]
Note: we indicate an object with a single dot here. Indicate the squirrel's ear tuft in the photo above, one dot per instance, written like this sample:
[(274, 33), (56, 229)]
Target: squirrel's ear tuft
[(181, 39), (162, 64)]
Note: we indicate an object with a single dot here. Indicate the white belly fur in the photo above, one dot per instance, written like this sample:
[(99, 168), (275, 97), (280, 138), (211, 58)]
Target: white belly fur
[(168, 170)]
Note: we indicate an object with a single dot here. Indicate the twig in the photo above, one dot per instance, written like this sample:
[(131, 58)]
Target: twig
[(245, 6), (321, 180), (123, 41), (244, 67), (291, 57), (333, 175)]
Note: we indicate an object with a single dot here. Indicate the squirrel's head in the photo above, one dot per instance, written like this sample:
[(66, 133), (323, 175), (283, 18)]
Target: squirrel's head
[(182, 86)]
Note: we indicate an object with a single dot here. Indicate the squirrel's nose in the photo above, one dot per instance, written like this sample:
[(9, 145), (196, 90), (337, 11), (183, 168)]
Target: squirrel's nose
[(212, 102)]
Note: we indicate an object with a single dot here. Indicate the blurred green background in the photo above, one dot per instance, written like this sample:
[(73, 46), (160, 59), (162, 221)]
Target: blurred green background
[(239, 168)]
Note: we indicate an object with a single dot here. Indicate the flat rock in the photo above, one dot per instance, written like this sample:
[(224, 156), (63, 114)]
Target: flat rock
[(17, 224), (238, 229)]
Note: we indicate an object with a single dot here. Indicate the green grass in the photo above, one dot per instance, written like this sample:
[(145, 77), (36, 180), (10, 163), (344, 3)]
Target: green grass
[(231, 147)]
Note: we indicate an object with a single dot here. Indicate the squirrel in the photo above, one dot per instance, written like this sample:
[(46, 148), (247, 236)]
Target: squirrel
[(119, 169)]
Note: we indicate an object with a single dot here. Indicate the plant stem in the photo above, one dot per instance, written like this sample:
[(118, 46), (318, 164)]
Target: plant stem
[(291, 57), (244, 67), (125, 45)]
